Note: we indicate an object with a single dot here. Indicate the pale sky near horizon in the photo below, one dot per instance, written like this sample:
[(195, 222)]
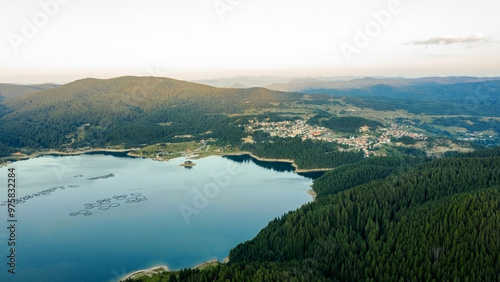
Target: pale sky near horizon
[(61, 41)]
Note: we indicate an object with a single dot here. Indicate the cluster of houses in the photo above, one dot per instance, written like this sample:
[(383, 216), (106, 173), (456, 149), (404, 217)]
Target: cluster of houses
[(365, 143), (368, 142)]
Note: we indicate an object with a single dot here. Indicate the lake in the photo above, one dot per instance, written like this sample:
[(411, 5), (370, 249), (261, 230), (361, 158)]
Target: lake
[(98, 217)]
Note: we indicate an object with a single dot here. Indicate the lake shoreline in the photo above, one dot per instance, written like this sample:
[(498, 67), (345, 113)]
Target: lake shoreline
[(134, 155), (312, 193), (155, 269), (290, 161), (149, 272), (126, 153), (61, 153)]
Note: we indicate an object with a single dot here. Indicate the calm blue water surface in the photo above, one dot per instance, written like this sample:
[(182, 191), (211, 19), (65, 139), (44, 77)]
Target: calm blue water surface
[(148, 213)]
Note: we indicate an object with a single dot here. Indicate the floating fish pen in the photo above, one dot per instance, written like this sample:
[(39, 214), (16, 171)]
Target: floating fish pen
[(106, 204), (102, 176)]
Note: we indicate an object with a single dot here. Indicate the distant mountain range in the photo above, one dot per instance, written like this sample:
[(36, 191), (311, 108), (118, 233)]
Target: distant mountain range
[(432, 96), (267, 81), (372, 81), (455, 95), (8, 90), (289, 84), (299, 84)]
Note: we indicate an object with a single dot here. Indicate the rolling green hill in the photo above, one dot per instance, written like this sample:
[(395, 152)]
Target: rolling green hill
[(130, 110)]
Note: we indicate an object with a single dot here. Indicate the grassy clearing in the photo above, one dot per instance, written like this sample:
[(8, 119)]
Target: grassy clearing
[(166, 151)]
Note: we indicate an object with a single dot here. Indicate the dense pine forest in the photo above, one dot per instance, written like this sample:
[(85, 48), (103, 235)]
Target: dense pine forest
[(306, 154), (409, 219), (343, 124)]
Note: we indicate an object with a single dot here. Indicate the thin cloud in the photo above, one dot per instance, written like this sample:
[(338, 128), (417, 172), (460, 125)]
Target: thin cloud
[(446, 40)]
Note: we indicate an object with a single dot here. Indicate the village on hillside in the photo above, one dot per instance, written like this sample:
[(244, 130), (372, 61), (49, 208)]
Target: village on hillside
[(366, 139)]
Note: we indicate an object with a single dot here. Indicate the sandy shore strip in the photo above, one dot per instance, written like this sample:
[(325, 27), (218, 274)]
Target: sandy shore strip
[(149, 272), (94, 150), (311, 170), (206, 263), (312, 193), (61, 153), (134, 155)]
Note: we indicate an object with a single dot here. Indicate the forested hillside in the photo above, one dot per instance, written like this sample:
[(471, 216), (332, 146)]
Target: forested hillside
[(307, 154), (131, 110), (343, 124), (416, 221)]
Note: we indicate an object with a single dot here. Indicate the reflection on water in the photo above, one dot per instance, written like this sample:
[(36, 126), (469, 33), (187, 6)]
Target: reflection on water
[(274, 166)]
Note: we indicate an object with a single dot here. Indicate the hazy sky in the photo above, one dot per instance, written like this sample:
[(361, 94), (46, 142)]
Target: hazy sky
[(64, 40)]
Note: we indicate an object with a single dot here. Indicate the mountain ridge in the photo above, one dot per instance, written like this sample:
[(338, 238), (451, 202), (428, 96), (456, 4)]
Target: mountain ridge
[(45, 118), (371, 81)]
